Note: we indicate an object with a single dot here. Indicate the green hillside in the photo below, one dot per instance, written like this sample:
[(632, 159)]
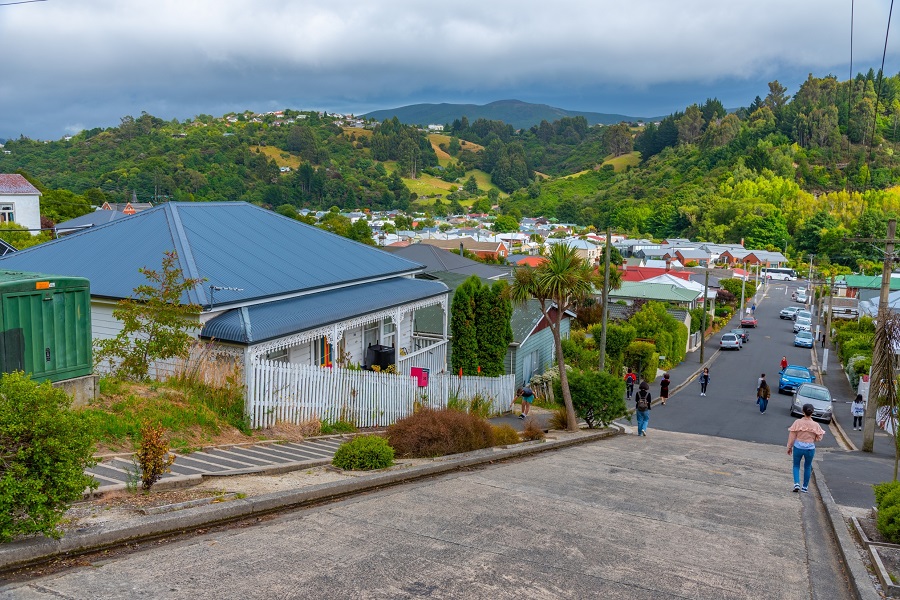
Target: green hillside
[(805, 169), (521, 115)]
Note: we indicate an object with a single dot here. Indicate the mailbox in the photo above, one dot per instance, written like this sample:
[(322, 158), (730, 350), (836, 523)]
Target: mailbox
[(420, 374)]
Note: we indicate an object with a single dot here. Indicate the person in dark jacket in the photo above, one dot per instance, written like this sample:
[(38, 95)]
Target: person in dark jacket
[(704, 380), (762, 396), (642, 401), (664, 388)]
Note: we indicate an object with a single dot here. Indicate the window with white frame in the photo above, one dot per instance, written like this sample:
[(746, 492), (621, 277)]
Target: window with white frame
[(7, 213), (388, 332), (371, 334), (380, 332)]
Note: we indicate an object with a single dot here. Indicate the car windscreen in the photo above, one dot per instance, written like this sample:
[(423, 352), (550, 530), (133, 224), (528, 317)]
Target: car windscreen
[(804, 313), (815, 393), (803, 320), (796, 373), (729, 337), (804, 335)]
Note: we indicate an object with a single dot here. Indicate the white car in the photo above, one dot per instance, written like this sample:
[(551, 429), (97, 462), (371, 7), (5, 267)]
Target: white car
[(730, 340), (802, 298), (802, 324)]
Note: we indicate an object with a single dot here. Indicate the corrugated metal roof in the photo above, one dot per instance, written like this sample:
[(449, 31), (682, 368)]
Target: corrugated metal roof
[(230, 244), (438, 259), (654, 291), (262, 322), (92, 219)]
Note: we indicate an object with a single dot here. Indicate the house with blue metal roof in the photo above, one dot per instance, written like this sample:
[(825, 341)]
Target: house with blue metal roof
[(271, 287)]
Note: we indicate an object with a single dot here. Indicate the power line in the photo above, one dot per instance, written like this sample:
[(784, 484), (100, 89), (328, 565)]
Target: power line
[(880, 81), (20, 2)]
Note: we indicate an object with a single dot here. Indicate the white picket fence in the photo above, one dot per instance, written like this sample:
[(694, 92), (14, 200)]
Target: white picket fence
[(293, 393)]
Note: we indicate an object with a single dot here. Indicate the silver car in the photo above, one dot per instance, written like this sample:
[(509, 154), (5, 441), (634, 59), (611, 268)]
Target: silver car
[(729, 341), (802, 324), (818, 396), (788, 312)]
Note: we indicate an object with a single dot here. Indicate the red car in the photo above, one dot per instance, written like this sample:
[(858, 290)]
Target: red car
[(748, 322)]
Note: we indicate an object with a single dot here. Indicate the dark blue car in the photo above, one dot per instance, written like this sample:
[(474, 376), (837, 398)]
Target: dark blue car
[(791, 378)]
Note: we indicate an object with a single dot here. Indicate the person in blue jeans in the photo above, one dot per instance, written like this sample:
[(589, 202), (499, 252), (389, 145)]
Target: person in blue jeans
[(802, 437), (642, 402)]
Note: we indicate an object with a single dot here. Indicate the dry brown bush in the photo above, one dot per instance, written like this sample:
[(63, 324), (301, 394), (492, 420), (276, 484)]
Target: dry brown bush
[(532, 430), (431, 432)]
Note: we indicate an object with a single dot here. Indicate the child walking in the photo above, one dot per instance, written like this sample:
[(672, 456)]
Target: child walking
[(630, 380), (858, 409)]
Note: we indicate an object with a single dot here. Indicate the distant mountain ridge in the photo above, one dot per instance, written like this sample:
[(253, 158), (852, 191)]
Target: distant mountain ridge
[(520, 115)]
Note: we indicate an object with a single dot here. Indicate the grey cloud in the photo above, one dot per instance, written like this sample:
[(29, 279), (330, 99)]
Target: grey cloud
[(80, 58)]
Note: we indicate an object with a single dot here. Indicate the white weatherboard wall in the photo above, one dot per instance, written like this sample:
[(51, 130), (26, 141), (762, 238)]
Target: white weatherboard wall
[(27, 210)]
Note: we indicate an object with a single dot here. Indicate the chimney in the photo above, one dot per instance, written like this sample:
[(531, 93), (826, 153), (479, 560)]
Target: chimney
[(742, 242), (668, 263), (461, 249)]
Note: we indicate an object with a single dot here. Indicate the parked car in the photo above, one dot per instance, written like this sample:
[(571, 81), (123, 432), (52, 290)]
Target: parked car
[(803, 313), (792, 376), (743, 334), (748, 322), (730, 341), (818, 396), (804, 339), (802, 298), (802, 324), (788, 312)]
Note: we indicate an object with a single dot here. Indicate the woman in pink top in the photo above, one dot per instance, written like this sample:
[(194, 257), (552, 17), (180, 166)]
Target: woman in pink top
[(802, 438)]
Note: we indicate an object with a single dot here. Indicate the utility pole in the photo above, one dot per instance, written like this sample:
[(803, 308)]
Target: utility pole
[(605, 297), (705, 310), (743, 285), (826, 335), (871, 404)]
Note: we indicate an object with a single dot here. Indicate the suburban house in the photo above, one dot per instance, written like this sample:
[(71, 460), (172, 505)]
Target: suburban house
[(129, 208), (271, 288), (485, 250), (670, 293), (868, 287), (532, 349), (20, 202)]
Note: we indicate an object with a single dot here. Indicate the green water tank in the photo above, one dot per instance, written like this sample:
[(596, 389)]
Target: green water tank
[(46, 325)]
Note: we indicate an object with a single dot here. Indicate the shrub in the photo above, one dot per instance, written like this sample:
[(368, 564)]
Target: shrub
[(532, 431), (559, 419), (364, 453), (598, 397), (884, 489), (45, 448), (431, 432), (505, 435), (642, 357), (153, 455)]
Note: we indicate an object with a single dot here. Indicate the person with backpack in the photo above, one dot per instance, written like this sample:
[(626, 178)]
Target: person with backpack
[(704, 380), (857, 410), (664, 388), (762, 396), (630, 380), (642, 407), (527, 399)]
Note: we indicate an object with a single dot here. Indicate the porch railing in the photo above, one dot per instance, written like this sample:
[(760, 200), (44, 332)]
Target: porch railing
[(432, 356)]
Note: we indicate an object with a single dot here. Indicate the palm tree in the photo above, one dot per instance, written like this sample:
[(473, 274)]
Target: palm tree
[(562, 282)]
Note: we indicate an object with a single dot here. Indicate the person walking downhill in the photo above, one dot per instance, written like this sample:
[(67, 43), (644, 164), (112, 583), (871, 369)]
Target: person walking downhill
[(630, 380), (704, 380), (762, 396), (802, 438), (784, 363), (664, 388), (642, 401), (857, 410)]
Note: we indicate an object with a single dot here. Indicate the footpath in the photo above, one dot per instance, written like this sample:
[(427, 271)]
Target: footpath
[(841, 479)]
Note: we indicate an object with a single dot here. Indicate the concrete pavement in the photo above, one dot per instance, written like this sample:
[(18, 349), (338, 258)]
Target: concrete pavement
[(668, 516)]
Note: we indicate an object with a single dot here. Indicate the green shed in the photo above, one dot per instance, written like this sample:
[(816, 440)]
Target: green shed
[(46, 325)]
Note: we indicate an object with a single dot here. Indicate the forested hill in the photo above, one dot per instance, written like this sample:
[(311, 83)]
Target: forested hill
[(805, 168), (521, 115)]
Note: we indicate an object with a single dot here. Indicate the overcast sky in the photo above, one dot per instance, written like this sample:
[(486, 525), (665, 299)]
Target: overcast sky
[(66, 65)]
